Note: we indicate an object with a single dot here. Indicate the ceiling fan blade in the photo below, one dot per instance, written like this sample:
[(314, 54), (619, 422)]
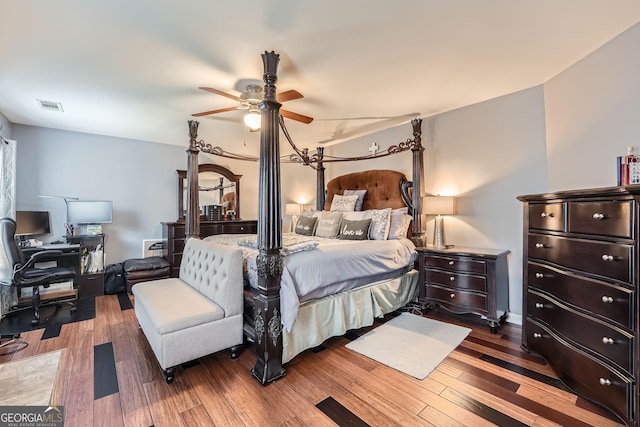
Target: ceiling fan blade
[(295, 116), (221, 110), (219, 92), (288, 95)]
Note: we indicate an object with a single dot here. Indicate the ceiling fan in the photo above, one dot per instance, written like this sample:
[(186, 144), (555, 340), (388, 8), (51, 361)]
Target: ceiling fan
[(250, 99)]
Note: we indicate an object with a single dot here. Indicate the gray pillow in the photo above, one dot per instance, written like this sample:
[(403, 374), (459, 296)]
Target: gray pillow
[(355, 230), (360, 194), (328, 224), (306, 225), (343, 203)]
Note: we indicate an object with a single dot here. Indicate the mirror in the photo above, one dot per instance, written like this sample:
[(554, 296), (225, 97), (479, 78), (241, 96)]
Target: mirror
[(218, 187)]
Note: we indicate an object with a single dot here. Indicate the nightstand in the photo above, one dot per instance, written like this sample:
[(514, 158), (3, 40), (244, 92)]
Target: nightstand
[(466, 280)]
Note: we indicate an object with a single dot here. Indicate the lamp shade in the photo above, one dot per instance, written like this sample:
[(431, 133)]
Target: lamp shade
[(252, 119), (293, 208), (439, 205)]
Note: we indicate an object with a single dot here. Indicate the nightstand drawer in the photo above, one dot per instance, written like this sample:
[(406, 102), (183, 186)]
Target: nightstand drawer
[(454, 280), (456, 297), (459, 264)]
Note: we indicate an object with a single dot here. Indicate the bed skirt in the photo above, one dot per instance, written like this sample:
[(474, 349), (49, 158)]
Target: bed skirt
[(321, 319)]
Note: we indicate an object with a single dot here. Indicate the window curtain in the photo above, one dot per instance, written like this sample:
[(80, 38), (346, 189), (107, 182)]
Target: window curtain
[(8, 295)]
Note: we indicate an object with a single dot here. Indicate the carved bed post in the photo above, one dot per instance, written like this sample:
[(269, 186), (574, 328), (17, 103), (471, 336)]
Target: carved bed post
[(417, 232), (320, 192), (268, 324), (192, 219)]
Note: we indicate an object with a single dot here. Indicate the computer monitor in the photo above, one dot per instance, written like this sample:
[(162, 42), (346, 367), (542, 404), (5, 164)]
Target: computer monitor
[(32, 223), (89, 211)]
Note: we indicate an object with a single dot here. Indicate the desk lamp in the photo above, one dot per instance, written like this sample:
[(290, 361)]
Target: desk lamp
[(439, 206)]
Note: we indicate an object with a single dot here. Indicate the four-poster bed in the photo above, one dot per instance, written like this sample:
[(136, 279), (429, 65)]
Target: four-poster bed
[(387, 190)]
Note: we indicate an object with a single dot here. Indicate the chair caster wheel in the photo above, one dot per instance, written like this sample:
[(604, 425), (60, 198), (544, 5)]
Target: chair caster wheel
[(35, 322)]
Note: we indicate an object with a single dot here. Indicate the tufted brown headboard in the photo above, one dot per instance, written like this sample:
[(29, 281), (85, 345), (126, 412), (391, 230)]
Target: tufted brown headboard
[(385, 189)]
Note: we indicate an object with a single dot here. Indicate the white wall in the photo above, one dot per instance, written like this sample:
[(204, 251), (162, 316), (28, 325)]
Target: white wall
[(138, 176), (593, 114), (486, 155)]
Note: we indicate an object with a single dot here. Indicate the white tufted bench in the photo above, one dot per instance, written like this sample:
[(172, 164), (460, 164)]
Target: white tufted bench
[(198, 313)]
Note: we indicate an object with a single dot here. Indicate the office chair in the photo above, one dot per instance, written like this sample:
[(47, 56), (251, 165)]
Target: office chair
[(17, 271)]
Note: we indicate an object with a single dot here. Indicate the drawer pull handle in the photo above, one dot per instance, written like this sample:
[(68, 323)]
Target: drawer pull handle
[(539, 245), (451, 262), (452, 295), (537, 335), (539, 276), (607, 299), (539, 305), (451, 279), (598, 216), (604, 381), (607, 340), (546, 215), (606, 257)]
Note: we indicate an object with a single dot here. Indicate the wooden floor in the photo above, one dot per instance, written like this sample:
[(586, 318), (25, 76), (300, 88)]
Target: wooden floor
[(111, 378)]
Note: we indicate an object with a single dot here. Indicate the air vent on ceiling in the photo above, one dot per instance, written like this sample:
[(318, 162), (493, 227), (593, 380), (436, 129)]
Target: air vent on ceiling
[(50, 105)]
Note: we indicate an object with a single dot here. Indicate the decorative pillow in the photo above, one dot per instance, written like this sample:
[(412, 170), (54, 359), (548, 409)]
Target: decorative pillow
[(400, 228), (328, 224), (343, 203), (354, 230), (360, 194), (306, 225), (380, 219), (399, 225)]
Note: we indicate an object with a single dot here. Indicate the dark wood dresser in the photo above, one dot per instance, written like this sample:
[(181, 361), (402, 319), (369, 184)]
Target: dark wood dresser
[(173, 233), (580, 308), (466, 280)]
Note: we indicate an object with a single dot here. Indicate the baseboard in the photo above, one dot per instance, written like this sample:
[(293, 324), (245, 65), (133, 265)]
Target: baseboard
[(516, 319)]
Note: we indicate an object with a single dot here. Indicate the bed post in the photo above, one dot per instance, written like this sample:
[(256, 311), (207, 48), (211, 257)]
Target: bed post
[(268, 324), (320, 192), (192, 219), (417, 233)]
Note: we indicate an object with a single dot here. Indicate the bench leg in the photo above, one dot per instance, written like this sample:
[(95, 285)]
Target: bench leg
[(235, 351), (169, 374)]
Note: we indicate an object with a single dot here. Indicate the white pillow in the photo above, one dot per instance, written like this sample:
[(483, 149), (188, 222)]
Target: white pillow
[(360, 194), (399, 224), (343, 203)]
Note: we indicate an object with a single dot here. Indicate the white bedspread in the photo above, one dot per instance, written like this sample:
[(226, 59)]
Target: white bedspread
[(333, 266)]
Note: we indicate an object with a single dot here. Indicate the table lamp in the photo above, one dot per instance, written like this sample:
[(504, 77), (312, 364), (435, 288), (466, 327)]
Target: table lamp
[(439, 206), (293, 209)]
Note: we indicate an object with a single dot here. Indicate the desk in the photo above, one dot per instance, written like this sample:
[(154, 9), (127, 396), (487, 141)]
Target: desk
[(70, 257)]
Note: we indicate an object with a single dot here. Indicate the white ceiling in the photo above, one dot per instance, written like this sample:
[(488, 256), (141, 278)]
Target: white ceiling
[(131, 68)]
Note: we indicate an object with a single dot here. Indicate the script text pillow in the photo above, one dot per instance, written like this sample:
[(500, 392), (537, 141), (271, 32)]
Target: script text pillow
[(355, 230), (360, 194), (343, 203), (328, 224), (306, 225)]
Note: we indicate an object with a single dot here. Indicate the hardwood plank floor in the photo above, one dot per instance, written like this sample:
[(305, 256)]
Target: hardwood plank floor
[(487, 381)]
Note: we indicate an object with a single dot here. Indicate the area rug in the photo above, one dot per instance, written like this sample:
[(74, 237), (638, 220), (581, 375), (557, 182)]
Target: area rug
[(411, 344), (29, 381)]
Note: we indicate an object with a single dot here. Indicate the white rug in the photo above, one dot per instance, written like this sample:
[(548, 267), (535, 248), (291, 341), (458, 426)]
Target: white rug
[(411, 344), (29, 381)]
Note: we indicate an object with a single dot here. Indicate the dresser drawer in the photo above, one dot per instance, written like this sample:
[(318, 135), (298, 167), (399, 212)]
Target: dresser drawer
[(612, 218), (550, 216), (237, 228), (459, 264), (586, 375), (177, 232), (612, 343), (596, 257), (612, 302), (453, 297), (455, 280)]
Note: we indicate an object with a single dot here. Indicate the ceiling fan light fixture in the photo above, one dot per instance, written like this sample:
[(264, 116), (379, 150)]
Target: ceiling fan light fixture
[(252, 119)]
